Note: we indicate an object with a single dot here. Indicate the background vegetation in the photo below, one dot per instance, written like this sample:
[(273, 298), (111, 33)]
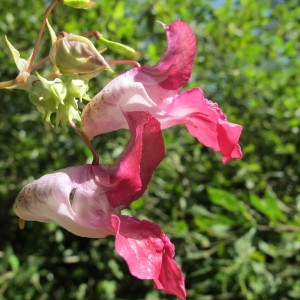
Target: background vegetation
[(236, 227)]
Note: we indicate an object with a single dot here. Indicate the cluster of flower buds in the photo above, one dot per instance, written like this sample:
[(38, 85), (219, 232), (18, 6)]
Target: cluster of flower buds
[(75, 61)]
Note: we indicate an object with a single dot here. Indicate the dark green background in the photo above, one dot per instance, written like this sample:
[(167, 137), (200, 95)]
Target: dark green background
[(236, 227)]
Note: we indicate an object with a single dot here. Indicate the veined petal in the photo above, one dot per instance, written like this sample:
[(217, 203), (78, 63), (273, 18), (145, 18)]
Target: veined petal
[(148, 253), (105, 112), (154, 90), (71, 197)]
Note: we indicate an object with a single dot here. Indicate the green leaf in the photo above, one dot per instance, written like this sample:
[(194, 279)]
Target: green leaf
[(268, 206), (224, 199)]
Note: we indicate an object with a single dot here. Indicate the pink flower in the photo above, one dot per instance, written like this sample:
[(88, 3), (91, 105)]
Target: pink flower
[(155, 90), (87, 201)]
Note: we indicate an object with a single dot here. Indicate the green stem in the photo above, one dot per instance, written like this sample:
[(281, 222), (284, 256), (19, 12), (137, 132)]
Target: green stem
[(38, 40), (7, 84), (94, 33), (124, 62), (87, 141), (37, 65)]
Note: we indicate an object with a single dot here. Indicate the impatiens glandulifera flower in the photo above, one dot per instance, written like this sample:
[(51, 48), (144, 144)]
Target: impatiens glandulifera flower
[(155, 90), (87, 201)]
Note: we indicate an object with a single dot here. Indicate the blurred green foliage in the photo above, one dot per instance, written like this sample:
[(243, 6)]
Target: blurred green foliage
[(236, 227)]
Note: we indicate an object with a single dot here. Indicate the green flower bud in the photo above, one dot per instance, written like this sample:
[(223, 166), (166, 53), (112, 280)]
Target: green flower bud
[(119, 48), (67, 112), (77, 88), (46, 95), (84, 4), (75, 54)]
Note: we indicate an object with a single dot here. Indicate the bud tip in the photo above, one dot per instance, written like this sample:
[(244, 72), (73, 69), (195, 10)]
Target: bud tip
[(21, 223)]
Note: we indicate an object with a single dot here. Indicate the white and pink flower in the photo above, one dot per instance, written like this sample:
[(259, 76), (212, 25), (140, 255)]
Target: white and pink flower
[(155, 90), (87, 200)]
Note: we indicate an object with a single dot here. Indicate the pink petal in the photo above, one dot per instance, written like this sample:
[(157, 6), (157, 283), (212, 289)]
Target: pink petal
[(177, 62), (144, 88), (134, 168), (105, 112), (70, 197), (154, 89), (81, 198), (148, 253), (204, 120)]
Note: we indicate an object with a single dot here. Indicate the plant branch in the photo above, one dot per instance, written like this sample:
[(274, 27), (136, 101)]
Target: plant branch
[(7, 84), (38, 40), (87, 141), (124, 62), (37, 65)]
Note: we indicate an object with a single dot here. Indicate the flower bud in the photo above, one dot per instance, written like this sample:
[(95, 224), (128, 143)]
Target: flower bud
[(119, 48), (84, 4), (67, 112), (77, 88), (46, 95), (75, 54)]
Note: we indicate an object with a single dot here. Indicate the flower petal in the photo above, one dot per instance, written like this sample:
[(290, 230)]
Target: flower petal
[(105, 112), (204, 120), (70, 197), (133, 169), (177, 62), (144, 88), (148, 253), (154, 89), (80, 198)]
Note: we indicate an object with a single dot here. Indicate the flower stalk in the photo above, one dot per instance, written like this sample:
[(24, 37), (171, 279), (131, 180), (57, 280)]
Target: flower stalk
[(87, 141), (38, 40)]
